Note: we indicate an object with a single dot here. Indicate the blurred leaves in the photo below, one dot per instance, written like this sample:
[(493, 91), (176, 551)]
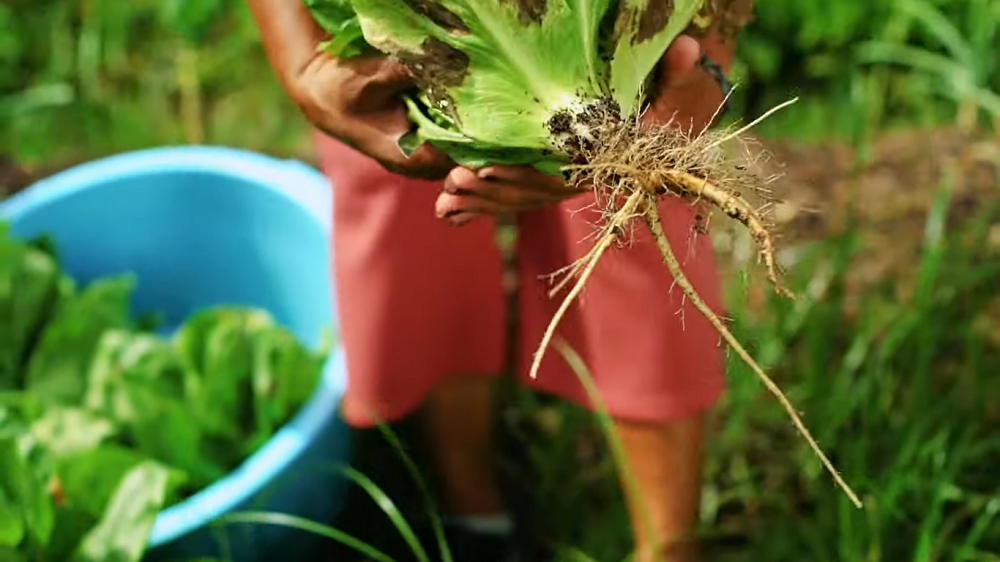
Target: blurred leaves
[(862, 66), (85, 78), (102, 424)]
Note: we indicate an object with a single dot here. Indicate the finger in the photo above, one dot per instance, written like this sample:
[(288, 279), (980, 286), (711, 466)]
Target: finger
[(462, 219), (428, 163), (509, 184), (680, 87), (463, 181), (679, 62), (381, 142), (526, 175), (394, 76), (451, 207)]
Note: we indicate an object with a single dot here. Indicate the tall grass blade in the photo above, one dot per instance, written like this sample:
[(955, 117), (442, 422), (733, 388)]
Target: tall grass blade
[(389, 508), (940, 27), (430, 504), (607, 426), (303, 524)]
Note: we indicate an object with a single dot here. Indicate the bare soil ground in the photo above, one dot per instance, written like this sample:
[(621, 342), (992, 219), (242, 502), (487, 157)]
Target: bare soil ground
[(886, 197)]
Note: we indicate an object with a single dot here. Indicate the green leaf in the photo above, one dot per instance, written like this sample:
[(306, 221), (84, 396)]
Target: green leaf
[(513, 68), (133, 377), (8, 554), (72, 523), (337, 18), (58, 366), (122, 533), (466, 150), (90, 479), (174, 438), (216, 348), (285, 374), (24, 476), (70, 431), (12, 529), (28, 290), (647, 33)]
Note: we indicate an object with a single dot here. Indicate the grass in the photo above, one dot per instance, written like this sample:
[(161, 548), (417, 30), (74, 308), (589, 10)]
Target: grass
[(898, 395)]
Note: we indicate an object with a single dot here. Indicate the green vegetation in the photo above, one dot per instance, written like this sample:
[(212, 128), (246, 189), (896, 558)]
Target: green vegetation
[(103, 422), (861, 67)]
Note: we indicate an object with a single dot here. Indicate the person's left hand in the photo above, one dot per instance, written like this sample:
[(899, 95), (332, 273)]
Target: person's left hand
[(469, 194)]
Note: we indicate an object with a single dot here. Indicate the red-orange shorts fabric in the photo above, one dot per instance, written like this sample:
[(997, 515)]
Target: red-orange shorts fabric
[(420, 300)]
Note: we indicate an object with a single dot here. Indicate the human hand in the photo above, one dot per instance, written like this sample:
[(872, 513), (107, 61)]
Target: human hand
[(686, 96), (469, 194), (358, 102)]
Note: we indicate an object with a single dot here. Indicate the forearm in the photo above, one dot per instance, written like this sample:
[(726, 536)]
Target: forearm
[(290, 36)]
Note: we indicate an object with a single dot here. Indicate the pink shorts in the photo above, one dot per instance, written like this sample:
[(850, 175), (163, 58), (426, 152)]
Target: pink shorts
[(420, 300)]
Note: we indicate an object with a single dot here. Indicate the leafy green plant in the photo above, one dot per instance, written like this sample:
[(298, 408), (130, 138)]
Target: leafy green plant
[(104, 424)]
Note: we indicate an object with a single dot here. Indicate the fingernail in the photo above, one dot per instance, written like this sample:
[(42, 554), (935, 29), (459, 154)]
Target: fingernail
[(485, 173)]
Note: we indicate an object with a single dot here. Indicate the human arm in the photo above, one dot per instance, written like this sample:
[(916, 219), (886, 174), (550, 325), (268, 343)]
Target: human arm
[(355, 100)]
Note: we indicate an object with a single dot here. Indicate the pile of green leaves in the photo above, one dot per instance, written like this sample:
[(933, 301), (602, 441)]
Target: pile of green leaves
[(103, 422)]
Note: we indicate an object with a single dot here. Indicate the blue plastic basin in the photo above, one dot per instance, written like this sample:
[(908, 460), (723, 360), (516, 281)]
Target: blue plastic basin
[(204, 226)]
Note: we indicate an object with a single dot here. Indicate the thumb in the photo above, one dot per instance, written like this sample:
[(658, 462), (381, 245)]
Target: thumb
[(378, 84), (678, 63), (394, 77)]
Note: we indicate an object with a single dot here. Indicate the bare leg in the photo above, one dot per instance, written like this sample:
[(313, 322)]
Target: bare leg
[(459, 416), (666, 463)]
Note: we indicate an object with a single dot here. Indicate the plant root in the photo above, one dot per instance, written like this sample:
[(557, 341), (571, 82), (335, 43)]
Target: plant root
[(652, 217), (629, 166), (665, 159), (735, 207), (587, 265)]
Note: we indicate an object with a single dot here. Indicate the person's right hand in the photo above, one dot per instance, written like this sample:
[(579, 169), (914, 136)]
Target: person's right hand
[(358, 102)]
